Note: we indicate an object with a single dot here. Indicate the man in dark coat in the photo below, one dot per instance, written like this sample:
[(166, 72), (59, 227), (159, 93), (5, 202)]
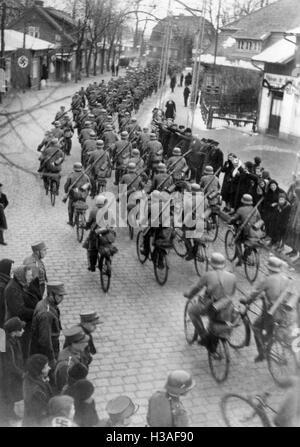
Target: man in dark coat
[(13, 365), (5, 270), (46, 325), (3, 223), (186, 94), (20, 302), (170, 109)]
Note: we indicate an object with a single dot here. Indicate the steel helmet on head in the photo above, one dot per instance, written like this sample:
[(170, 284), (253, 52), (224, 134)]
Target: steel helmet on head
[(217, 261), (247, 199), (176, 151), (100, 200), (208, 170), (77, 166), (179, 382)]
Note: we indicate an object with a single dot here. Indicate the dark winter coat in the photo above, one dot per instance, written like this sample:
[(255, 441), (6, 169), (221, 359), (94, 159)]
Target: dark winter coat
[(3, 205), (5, 268), (13, 366), (271, 197), (37, 394), (86, 414)]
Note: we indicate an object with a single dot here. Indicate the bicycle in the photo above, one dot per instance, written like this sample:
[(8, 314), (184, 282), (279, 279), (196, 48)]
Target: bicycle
[(80, 208), (104, 265), (211, 227), (277, 350), (219, 361), (158, 255), (250, 254), (200, 256), (240, 411), (51, 185)]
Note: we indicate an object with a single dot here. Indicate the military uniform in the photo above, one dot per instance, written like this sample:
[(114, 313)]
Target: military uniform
[(179, 168), (121, 157), (83, 179), (38, 270)]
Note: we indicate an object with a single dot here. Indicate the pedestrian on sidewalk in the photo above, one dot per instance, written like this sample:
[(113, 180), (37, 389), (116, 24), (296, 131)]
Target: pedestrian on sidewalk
[(186, 94), (170, 109), (113, 69), (117, 70), (3, 224), (173, 82), (181, 79)]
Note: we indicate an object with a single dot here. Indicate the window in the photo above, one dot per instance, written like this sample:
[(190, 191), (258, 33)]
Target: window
[(249, 45), (34, 31), (57, 38)]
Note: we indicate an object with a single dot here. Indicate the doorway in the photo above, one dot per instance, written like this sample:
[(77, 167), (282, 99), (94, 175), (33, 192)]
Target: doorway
[(275, 112)]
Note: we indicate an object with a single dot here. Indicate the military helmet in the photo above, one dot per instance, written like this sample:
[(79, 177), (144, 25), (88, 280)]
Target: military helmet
[(208, 170), (176, 151), (135, 152), (152, 136), (217, 261), (179, 382), (100, 200), (161, 167), (92, 133), (195, 187), (100, 143), (124, 134), (247, 199), (77, 166)]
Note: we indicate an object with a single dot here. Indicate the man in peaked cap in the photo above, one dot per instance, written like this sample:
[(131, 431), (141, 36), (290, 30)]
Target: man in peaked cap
[(88, 323), (46, 324), (271, 287), (76, 343), (36, 264), (120, 410)]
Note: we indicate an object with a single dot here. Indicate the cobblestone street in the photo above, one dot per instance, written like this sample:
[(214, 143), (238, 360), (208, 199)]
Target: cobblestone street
[(142, 337)]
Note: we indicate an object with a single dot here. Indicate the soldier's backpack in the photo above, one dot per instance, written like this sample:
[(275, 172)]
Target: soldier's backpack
[(159, 410)]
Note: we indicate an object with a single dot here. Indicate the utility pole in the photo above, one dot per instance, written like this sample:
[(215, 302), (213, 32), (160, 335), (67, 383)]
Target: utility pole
[(197, 65), (3, 19), (165, 56), (25, 26)]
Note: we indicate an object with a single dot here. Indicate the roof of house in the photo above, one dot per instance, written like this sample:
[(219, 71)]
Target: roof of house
[(14, 40), (61, 15), (281, 52), (278, 16)]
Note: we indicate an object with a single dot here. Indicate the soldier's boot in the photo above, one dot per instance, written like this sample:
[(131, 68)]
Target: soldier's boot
[(92, 260)]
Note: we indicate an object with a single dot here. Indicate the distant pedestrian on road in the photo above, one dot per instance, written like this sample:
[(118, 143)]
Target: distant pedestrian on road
[(117, 69), (113, 69), (173, 82), (3, 223), (186, 94), (170, 109), (181, 79)]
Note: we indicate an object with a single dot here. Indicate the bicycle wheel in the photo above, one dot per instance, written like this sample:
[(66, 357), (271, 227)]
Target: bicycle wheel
[(238, 411), (219, 366), (281, 361), (80, 223), (105, 272), (160, 264), (200, 260), (212, 228), (241, 333), (251, 264), (53, 189), (189, 329), (140, 246), (178, 242), (230, 247)]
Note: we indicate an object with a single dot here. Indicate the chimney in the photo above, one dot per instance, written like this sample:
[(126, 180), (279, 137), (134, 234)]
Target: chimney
[(39, 3)]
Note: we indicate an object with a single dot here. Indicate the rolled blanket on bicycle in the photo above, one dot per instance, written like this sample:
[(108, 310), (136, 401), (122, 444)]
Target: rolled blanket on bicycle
[(107, 238), (165, 238), (222, 310)]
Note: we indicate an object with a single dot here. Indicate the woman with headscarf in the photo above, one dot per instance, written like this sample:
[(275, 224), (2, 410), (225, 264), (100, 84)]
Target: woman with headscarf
[(20, 299), (36, 390), (269, 203)]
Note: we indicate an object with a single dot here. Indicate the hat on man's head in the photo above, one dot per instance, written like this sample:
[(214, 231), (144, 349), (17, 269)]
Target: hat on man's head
[(195, 187), (100, 143), (247, 199), (56, 287), (77, 166), (38, 246), (92, 133), (131, 167), (14, 324), (121, 406), (89, 317), (75, 335), (124, 134), (152, 136)]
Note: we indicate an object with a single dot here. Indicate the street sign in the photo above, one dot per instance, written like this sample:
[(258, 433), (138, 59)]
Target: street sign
[(2, 81)]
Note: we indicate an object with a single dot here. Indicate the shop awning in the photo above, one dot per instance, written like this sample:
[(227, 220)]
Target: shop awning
[(14, 40), (281, 52)]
